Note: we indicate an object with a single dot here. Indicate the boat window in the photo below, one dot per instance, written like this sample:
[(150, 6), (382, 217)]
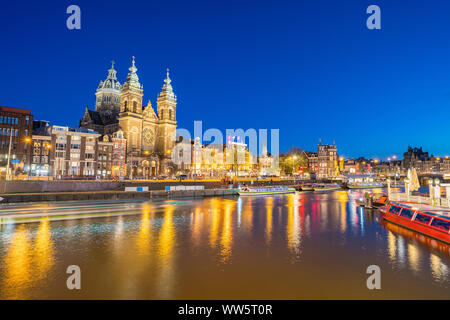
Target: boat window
[(440, 224), (422, 218), (406, 213), (394, 209)]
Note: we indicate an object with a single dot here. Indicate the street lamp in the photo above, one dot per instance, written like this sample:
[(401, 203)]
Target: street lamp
[(8, 175), (48, 146), (147, 169), (28, 140)]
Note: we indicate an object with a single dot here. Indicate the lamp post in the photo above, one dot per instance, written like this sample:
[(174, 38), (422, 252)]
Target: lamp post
[(131, 165), (437, 191), (169, 152), (28, 140), (430, 189), (48, 146), (147, 169), (8, 176)]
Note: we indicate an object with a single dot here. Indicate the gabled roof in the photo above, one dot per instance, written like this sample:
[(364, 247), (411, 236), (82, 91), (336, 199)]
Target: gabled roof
[(95, 117)]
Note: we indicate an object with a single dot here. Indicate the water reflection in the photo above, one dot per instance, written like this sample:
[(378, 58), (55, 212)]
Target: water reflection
[(293, 225), (143, 240), (227, 232), (165, 246), (43, 257), (210, 246), (215, 216), (27, 262), (269, 209)]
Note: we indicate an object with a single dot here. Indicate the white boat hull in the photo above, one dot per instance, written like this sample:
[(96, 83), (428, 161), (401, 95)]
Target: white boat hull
[(354, 186)]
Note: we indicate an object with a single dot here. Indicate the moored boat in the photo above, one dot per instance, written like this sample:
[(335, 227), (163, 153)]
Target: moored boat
[(251, 191), (325, 186), (365, 185), (307, 188), (425, 219)]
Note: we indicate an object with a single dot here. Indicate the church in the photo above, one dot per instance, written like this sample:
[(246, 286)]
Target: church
[(150, 135)]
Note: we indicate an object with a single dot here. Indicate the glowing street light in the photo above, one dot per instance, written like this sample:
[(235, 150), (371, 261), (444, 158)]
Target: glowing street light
[(28, 140)]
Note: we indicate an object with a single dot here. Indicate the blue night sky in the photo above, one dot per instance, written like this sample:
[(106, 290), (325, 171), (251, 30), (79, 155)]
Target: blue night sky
[(308, 67)]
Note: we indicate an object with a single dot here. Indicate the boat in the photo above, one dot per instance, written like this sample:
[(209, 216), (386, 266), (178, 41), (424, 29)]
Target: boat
[(325, 186), (307, 188), (430, 221), (251, 191), (364, 185), (378, 200), (361, 181)]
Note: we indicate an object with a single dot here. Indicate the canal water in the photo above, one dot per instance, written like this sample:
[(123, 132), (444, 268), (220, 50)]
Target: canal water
[(302, 246)]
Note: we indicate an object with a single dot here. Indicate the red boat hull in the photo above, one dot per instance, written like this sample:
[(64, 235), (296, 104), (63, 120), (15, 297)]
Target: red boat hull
[(415, 226)]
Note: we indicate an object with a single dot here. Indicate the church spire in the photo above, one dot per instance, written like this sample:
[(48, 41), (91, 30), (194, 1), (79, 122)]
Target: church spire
[(112, 72), (167, 100), (167, 80), (132, 77), (133, 68), (167, 87)]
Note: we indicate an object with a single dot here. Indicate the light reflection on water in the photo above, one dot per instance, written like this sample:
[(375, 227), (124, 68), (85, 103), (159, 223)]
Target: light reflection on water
[(304, 245)]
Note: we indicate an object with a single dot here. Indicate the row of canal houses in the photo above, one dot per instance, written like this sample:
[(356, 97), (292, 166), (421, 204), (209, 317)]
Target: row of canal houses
[(38, 149)]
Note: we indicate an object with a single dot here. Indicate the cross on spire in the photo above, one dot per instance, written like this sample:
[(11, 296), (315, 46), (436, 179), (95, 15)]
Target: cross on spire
[(167, 80)]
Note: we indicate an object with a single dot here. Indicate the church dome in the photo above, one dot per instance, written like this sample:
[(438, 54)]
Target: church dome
[(111, 84)]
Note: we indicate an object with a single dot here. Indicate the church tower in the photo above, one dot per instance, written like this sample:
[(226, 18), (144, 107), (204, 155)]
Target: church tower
[(108, 95), (167, 124), (130, 117)]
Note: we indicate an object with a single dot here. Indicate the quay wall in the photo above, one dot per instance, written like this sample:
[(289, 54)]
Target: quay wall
[(114, 195), (94, 186)]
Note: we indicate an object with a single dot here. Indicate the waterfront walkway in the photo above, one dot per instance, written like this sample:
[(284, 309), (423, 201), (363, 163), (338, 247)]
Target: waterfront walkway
[(53, 211), (113, 195)]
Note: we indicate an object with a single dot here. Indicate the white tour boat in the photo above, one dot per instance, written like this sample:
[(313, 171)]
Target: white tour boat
[(325, 186), (250, 191)]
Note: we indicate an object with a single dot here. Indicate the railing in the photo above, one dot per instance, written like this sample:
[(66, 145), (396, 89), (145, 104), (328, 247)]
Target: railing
[(442, 202)]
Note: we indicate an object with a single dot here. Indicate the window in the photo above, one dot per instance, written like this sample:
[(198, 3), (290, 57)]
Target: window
[(422, 218), (440, 224), (407, 213), (394, 209)]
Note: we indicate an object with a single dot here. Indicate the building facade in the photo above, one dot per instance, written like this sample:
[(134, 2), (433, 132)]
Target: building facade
[(40, 161), (119, 163), (75, 152), (313, 162), (150, 135), (104, 157), (328, 161), (16, 127)]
